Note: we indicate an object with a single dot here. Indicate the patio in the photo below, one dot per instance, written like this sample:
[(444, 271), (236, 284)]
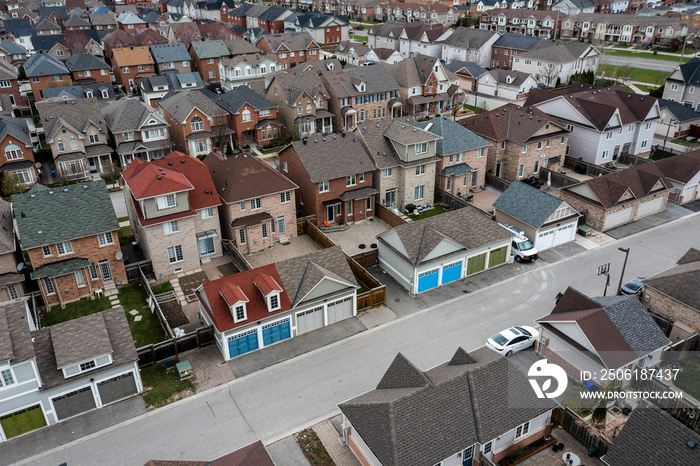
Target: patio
[(297, 246), (359, 233), (547, 457), (485, 198)]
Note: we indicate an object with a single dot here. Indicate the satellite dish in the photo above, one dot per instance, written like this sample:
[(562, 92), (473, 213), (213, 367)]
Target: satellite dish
[(20, 266), (119, 255)]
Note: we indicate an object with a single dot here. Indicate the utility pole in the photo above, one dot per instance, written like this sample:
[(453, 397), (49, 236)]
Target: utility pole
[(627, 253)]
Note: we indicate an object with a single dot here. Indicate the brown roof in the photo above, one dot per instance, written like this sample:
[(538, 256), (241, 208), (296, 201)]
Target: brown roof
[(510, 122), (70, 345), (132, 56), (682, 167), (641, 180), (15, 339), (681, 281)]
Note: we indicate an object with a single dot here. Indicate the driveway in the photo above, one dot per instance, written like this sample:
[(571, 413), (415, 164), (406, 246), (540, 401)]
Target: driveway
[(119, 203), (672, 212)]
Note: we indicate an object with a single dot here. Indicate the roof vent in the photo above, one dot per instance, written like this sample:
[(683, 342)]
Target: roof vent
[(85, 186), (690, 444), (182, 160), (531, 118), (160, 177), (642, 98), (32, 196), (51, 193), (65, 190), (170, 163), (335, 137), (629, 95), (315, 141), (414, 130), (39, 232)]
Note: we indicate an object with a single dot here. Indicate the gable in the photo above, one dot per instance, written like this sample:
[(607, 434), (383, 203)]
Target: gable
[(563, 211), (327, 286), (659, 185), (584, 190), (445, 247), (574, 331), (393, 239), (626, 196), (563, 108)]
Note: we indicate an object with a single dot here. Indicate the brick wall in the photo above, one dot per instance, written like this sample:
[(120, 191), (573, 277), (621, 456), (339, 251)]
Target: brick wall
[(159, 243), (204, 67), (663, 304), (47, 82), (512, 157), (239, 126), (134, 74), (13, 90), (179, 131), (179, 67), (292, 168), (457, 183), (26, 151), (94, 74)]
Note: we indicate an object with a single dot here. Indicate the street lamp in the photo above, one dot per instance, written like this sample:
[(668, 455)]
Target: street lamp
[(627, 253), (670, 123)]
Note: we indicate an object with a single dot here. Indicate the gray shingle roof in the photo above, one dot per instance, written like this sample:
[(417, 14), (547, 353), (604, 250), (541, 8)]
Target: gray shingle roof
[(374, 140), (412, 71), (210, 49), (43, 64), (76, 21), (85, 61), (173, 81), (454, 137), (7, 234), (170, 52), (12, 47), (180, 104), (293, 41), (296, 83), (509, 77), (472, 68), (128, 114), (517, 41), (78, 113), (15, 338), (679, 111), (80, 91), (527, 204), (240, 46), (90, 210), (557, 51), (680, 282), (70, 345), (15, 127), (376, 79), (468, 38), (234, 99), (58, 268)]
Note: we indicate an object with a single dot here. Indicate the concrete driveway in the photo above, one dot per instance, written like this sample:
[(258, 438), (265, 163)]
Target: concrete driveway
[(119, 203)]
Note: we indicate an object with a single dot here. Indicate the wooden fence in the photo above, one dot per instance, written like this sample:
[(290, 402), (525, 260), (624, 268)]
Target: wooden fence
[(305, 227), (367, 258), (154, 305), (629, 159), (580, 166), (660, 152), (389, 217), (579, 429), (665, 323), (684, 410), (497, 183), (132, 270), (680, 350), (449, 199), (237, 258), (151, 354), (560, 180)]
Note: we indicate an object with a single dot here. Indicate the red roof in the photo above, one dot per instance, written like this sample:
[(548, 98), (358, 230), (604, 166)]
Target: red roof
[(266, 284), (232, 293), (256, 307)]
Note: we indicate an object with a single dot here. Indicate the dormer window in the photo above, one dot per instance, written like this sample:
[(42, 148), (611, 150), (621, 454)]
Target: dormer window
[(273, 303), (362, 87), (239, 313)]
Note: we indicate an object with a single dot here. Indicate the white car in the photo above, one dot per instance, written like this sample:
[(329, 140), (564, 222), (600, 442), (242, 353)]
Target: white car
[(513, 340)]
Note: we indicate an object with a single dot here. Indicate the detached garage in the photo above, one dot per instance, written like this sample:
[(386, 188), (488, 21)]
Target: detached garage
[(443, 249), (546, 221)]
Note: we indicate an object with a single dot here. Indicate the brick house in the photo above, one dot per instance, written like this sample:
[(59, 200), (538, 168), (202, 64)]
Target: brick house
[(621, 197), (45, 72), (173, 210), (246, 70), (253, 117), (273, 19), (70, 259), (258, 203), (524, 139), (334, 175), (104, 21), (290, 48), (117, 40), (325, 29), (462, 156), (509, 46), (11, 281), (130, 64), (16, 154), (205, 58), (9, 84), (76, 23), (172, 58), (237, 15), (467, 74), (130, 23), (46, 27), (12, 52), (85, 67)]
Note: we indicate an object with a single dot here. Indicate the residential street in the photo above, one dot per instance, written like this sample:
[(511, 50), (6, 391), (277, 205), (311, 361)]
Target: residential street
[(275, 402), (649, 64)]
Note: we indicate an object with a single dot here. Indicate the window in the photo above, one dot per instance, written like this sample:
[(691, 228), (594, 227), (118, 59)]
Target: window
[(208, 213), (308, 108), (418, 192), (422, 148), (285, 196), (93, 272), (361, 177), (521, 171), (648, 125), (105, 238), (245, 115), (674, 87), (79, 278), (479, 153), (606, 153), (299, 110), (197, 124), (73, 144), (264, 230), (170, 227), (420, 170), (522, 430), (570, 128), (608, 135), (129, 136), (64, 248), (350, 207), (166, 202), (241, 235), (12, 289), (630, 128), (255, 204), (175, 254), (210, 61), (563, 139), (549, 142), (387, 172), (503, 145), (274, 302), (125, 69), (7, 378), (265, 112), (644, 144), (242, 205), (48, 284), (537, 166), (350, 180), (539, 145), (524, 148), (240, 313)]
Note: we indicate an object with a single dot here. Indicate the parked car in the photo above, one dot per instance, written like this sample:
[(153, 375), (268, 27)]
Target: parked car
[(632, 287), (358, 28), (512, 340)]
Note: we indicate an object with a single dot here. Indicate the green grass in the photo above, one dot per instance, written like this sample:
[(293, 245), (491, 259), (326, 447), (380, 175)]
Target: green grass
[(474, 109), (74, 310), (123, 219), (148, 330), (164, 386), (436, 210), (683, 142), (688, 379), (126, 235), (162, 288), (646, 55), (636, 74), (359, 38)]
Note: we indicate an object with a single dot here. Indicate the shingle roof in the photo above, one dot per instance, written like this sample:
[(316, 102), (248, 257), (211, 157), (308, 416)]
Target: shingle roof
[(469, 38), (558, 51), (15, 338), (128, 114), (15, 127), (174, 81), (342, 81), (169, 52), (345, 46), (7, 234), (85, 61), (46, 11), (45, 43), (75, 113), (680, 282), (454, 137), (234, 99), (517, 41), (75, 21), (210, 49), (12, 47), (293, 41), (375, 140), (180, 104), (80, 91), (70, 345), (682, 167), (412, 71), (19, 27), (509, 77), (294, 84), (61, 267), (679, 111), (510, 122), (103, 19), (527, 204), (240, 46), (88, 205), (690, 69), (43, 64), (129, 17), (472, 68)]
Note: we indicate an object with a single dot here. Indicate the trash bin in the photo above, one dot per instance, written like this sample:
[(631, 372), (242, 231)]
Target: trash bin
[(592, 451)]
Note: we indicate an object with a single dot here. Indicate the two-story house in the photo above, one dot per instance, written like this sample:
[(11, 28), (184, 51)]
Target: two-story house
[(131, 23), (682, 82), (44, 72), (197, 123), (16, 154), (258, 204), (11, 280), (524, 139), (335, 178), (77, 135), (104, 21), (154, 88), (171, 57), (325, 29), (405, 159), (290, 48), (173, 210), (205, 57), (253, 117), (550, 62), (131, 64), (12, 52), (70, 259), (509, 46), (423, 39), (76, 23), (9, 83), (87, 68), (46, 27), (246, 70), (137, 131), (387, 35), (302, 102)]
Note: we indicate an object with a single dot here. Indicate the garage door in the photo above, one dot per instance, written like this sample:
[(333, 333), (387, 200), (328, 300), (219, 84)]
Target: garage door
[(451, 272), (340, 310), (117, 388), (476, 264), (427, 280), (498, 256), (309, 320), (74, 403), (277, 331), (619, 217), (650, 207), (243, 343), (565, 234), (545, 240), (22, 421)]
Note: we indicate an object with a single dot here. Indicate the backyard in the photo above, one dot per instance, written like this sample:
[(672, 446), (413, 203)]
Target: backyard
[(147, 330), (436, 210), (163, 385), (73, 310), (647, 55), (688, 379)]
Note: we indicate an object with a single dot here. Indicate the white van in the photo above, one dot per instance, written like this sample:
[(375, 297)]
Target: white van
[(521, 247)]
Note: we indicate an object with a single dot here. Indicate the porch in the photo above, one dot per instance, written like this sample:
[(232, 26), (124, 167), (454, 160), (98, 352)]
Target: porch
[(144, 151), (72, 166)]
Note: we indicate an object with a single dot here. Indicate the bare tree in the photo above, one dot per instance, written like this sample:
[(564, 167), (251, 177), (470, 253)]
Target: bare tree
[(76, 41), (550, 74)]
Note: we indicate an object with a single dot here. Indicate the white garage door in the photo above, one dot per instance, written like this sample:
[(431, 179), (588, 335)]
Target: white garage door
[(565, 233), (545, 240), (309, 320), (618, 218), (690, 193), (340, 310), (650, 207)]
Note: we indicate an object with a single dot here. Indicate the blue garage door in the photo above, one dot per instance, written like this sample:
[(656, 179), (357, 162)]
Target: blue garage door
[(451, 272), (243, 343), (427, 280), (278, 331)]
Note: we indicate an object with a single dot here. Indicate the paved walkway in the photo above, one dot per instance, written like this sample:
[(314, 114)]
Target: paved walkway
[(298, 246), (548, 457), (331, 439), (287, 452)]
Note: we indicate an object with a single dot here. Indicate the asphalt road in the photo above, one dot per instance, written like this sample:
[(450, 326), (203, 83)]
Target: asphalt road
[(282, 399), (650, 64)]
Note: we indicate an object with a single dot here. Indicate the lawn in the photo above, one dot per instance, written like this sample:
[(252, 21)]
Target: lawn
[(646, 55), (126, 235), (436, 210), (683, 142), (74, 310), (688, 379), (163, 386), (359, 39), (474, 109), (123, 219), (162, 288), (148, 330), (313, 449), (636, 74)]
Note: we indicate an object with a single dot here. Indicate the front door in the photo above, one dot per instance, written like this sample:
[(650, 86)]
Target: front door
[(105, 271), (499, 165), (330, 213), (475, 177), (616, 152)]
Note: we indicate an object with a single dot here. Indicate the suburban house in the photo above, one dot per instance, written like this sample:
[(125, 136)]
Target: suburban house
[(197, 123), (262, 306), (253, 117), (70, 259), (137, 131), (205, 57), (131, 64), (387, 34), (104, 21), (131, 23), (9, 83), (620, 197), (44, 72), (546, 220), (676, 119), (469, 45), (599, 334), (352, 53), (551, 62), (99, 91), (46, 27), (433, 13), (325, 29), (76, 23), (461, 156), (509, 46), (77, 135), (302, 102), (438, 250), (574, 7), (16, 154), (246, 70), (12, 52), (673, 293), (118, 39), (238, 46), (683, 171), (85, 67), (173, 211), (423, 39), (171, 57), (154, 88), (509, 84), (334, 175), (258, 207), (603, 122), (467, 74), (383, 55), (47, 377), (290, 48), (11, 278), (357, 94), (524, 139), (405, 158), (681, 84), (457, 413)]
